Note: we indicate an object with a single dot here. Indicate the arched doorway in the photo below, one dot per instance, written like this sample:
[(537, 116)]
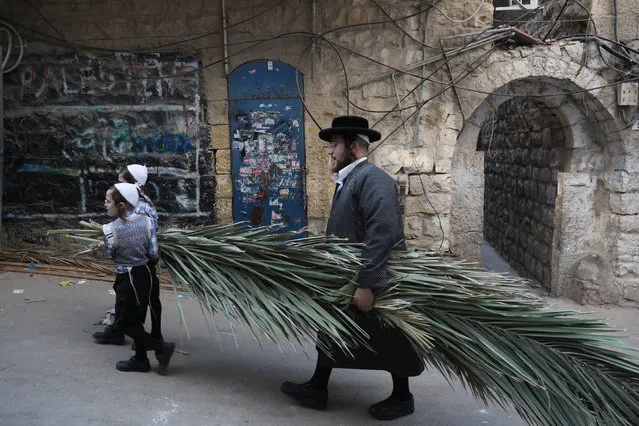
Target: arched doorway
[(524, 151), (591, 147)]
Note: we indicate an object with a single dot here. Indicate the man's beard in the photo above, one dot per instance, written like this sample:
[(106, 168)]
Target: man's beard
[(340, 164)]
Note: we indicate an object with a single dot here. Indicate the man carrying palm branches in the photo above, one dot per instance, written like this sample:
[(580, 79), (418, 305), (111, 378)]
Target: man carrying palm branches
[(365, 210)]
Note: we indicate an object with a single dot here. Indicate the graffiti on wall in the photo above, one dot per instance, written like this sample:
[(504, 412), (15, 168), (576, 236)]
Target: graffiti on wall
[(74, 81), (71, 125)]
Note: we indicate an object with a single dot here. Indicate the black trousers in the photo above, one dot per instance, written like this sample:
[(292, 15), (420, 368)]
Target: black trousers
[(155, 304), (132, 295), (392, 351)]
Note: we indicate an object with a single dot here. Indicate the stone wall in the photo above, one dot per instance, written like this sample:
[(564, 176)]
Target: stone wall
[(429, 125), (418, 149), (524, 149), (626, 19)]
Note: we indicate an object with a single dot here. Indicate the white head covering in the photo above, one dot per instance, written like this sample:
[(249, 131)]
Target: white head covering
[(138, 172), (129, 191)]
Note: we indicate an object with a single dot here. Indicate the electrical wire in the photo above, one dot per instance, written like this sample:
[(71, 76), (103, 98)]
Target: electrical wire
[(250, 18), (615, 13), (321, 36), (155, 49), (546, 95), (406, 33), (450, 73), (496, 94), (59, 41), (596, 36), (115, 70), (427, 78), (420, 77), (459, 21), (552, 27), (9, 32), (468, 70)]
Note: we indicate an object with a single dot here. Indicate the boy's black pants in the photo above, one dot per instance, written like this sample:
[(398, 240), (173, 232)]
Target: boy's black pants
[(132, 293)]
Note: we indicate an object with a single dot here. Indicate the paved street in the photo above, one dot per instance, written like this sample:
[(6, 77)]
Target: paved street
[(52, 373)]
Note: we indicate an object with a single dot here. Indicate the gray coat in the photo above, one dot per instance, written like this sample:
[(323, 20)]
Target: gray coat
[(366, 210)]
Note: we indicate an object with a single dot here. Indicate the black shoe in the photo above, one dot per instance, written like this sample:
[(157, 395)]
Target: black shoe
[(109, 337), (164, 357), (392, 408), (134, 364), (305, 394)]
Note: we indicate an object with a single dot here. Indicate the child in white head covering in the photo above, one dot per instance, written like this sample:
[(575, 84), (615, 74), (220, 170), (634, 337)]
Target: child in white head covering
[(138, 174), (131, 241)]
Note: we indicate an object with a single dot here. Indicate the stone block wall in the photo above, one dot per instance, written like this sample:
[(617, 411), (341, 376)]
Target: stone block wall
[(80, 134), (626, 19), (255, 30), (524, 149), (623, 232)]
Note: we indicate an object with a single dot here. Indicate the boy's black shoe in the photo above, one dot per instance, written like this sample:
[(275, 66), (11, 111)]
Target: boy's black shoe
[(133, 364), (164, 357), (304, 393), (109, 337), (392, 408)]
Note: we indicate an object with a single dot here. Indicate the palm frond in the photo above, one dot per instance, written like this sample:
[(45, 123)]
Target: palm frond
[(555, 367)]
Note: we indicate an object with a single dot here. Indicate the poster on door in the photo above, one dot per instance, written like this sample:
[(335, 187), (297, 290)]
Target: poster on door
[(267, 150)]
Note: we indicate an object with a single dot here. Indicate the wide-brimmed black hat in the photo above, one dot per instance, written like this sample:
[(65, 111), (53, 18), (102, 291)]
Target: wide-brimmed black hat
[(350, 124)]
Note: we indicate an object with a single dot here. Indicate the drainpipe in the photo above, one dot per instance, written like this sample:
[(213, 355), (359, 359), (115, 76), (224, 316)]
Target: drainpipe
[(3, 70), (415, 139), (313, 48), (226, 39), (2, 138)]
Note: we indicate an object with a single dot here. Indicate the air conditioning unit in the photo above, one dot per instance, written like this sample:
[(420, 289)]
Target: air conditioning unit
[(515, 4)]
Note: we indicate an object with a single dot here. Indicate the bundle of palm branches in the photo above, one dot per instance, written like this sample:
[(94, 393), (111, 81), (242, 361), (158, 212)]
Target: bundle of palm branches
[(553, 366)]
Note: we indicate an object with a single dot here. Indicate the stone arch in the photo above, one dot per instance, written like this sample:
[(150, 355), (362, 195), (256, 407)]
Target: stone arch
[(591, 135)]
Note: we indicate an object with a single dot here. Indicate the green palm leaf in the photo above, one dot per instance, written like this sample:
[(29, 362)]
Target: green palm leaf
[(554, 367)]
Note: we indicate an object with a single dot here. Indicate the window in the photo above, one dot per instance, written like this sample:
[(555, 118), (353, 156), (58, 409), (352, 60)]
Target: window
[(515, 4)]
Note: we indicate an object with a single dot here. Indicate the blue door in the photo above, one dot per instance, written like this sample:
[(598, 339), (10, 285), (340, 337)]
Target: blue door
[(267, 151)]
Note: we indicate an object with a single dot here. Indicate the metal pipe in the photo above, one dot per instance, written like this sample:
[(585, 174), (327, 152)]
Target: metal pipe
[(9, 46), (415, 138), (616, 20), (17, 34), (399, 102), (1, 142), (491, 31), (313, 47), (226, 47)]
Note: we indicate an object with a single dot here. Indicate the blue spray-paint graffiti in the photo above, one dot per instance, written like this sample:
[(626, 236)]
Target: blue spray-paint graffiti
[(159, 143), (125, 138)]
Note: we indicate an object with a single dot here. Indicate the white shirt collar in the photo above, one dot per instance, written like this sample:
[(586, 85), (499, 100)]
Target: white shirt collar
[(340, 176)]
